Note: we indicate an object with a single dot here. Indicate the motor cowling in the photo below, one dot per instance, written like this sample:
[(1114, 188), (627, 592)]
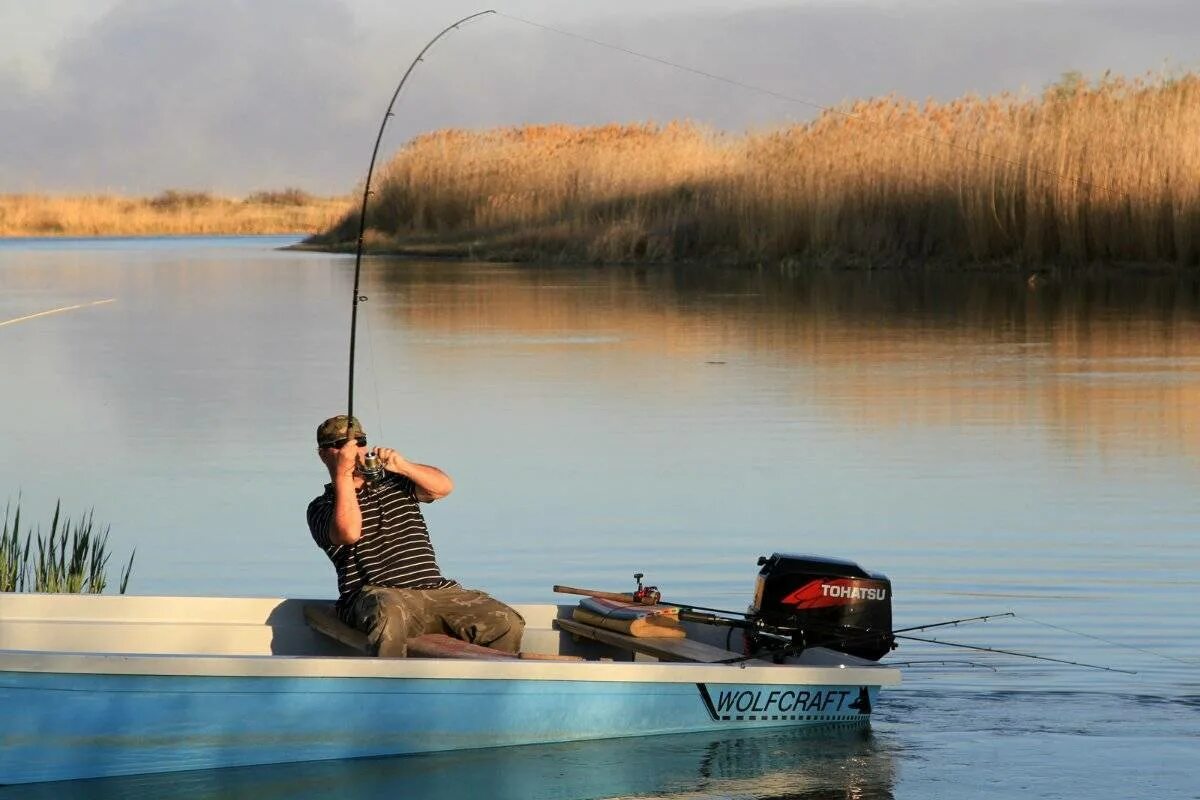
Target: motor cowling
[(824, 602)]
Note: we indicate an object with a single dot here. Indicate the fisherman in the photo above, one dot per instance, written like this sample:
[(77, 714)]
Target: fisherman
[(389, 584)]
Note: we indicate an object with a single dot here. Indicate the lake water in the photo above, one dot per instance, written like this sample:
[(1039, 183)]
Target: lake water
[(990, 446)]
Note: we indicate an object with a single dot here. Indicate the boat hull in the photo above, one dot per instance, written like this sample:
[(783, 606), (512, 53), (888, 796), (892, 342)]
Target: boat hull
[(63, 726)]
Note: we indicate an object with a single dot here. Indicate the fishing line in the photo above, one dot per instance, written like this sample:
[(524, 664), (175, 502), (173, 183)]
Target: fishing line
[(1015, 653), (811, 104), (1024, 165), (15, 320), (1192, 662), (375, 379)]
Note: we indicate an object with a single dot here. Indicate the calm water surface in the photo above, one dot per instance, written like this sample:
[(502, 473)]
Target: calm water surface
[(990, 447)]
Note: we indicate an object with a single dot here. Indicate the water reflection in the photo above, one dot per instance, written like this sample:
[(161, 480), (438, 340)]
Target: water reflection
[(1104, 360), (827, 764)]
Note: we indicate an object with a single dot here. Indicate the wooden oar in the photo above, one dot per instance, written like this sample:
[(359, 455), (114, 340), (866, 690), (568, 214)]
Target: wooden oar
[(656, 626)]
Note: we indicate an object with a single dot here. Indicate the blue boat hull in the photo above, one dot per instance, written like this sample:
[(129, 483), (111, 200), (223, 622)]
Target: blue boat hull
[(70, 725)]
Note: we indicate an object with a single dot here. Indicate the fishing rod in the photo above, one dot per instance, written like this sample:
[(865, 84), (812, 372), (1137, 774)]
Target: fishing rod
[(943, 662), (983, 618), (362, 222), (649, 595), (868, 634), (792, 639), (362, 217), (789, 647), (782, 639), (1015, 653)]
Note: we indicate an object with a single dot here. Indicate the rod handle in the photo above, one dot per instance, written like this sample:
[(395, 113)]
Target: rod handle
[(624, 598)]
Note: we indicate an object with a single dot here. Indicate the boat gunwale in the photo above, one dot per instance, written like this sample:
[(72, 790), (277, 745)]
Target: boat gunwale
[(365, 667)]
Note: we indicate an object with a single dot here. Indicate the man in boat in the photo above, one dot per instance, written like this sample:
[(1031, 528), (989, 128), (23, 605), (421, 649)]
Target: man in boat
[(389, 583)]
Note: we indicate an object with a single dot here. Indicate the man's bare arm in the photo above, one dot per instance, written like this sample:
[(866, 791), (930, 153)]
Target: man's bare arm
[(430, 482), (345, 528)]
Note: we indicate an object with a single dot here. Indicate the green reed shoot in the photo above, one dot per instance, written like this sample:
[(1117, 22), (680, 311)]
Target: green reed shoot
[(71, 557)]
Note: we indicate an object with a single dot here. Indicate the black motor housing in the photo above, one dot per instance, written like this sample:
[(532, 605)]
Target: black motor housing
[(825, 602)]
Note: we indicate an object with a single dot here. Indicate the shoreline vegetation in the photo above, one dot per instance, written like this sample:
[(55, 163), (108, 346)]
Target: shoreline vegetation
[(1102, 173), (172, 212), (72, 557)]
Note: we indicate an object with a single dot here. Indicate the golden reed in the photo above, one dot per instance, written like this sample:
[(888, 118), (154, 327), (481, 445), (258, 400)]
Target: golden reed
[(170, 213), (1082, 174)]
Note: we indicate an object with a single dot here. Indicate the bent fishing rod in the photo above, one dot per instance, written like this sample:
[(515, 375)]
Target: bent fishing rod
[(362, 217)]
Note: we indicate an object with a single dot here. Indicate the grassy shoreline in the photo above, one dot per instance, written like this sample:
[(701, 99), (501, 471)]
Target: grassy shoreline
[(169, 213), (1081, 175)]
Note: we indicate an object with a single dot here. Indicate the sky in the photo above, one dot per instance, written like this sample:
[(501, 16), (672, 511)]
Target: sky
[(232, 96)]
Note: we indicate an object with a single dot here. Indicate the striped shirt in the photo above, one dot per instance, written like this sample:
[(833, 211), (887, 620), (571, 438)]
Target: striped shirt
[(394, 549)]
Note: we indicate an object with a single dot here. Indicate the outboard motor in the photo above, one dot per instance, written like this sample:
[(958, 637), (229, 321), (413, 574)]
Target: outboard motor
[(822, 602)]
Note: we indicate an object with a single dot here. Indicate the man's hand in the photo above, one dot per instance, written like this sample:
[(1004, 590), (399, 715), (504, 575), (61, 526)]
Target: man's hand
[(430, 483), (342, 462), (347, 458), (391, 460)]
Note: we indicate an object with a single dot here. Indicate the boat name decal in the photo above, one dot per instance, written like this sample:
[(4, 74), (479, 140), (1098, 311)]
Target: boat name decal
[(775, 704), (821, 593)]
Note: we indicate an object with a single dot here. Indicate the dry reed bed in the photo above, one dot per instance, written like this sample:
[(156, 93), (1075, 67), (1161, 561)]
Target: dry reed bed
[(170, 213), (1081, 174)]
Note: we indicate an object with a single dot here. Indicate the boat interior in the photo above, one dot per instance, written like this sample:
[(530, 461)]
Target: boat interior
[(296, 627), (222, 626)]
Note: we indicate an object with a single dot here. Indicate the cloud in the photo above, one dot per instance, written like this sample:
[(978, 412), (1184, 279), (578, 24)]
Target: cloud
[(228, 93), (234, 95)]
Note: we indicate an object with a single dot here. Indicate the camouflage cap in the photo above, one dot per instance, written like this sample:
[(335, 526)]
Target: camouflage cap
[(339, 427)]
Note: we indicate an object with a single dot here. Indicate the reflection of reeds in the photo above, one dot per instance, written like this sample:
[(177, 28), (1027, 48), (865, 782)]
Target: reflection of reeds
[(171, 212), (72, 557), (1081, 174), (1103, 361)]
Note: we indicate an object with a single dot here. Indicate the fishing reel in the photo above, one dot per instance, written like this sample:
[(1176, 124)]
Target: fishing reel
[(370, 468), (646, 595)]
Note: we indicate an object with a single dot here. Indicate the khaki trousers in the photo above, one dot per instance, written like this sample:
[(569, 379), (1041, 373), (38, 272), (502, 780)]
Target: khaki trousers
[(389, 617)]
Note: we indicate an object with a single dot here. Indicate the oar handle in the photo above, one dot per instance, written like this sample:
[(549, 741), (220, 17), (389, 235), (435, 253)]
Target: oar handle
[(624, 598)]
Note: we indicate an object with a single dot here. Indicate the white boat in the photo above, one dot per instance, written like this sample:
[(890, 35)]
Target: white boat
[(95, 685)]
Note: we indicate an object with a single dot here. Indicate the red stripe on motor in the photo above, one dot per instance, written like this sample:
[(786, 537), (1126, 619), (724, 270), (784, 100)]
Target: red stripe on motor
[(814, 595)]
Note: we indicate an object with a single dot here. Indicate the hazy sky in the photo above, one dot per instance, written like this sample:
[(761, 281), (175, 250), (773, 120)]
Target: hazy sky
[(236, 95)]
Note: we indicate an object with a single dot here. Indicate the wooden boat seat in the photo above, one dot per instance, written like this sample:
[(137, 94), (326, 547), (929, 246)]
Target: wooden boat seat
[(664, 649), (431, 645)]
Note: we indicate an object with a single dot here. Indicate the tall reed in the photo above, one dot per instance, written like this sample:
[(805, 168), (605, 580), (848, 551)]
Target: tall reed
[(1108, 172), (72, 557)]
